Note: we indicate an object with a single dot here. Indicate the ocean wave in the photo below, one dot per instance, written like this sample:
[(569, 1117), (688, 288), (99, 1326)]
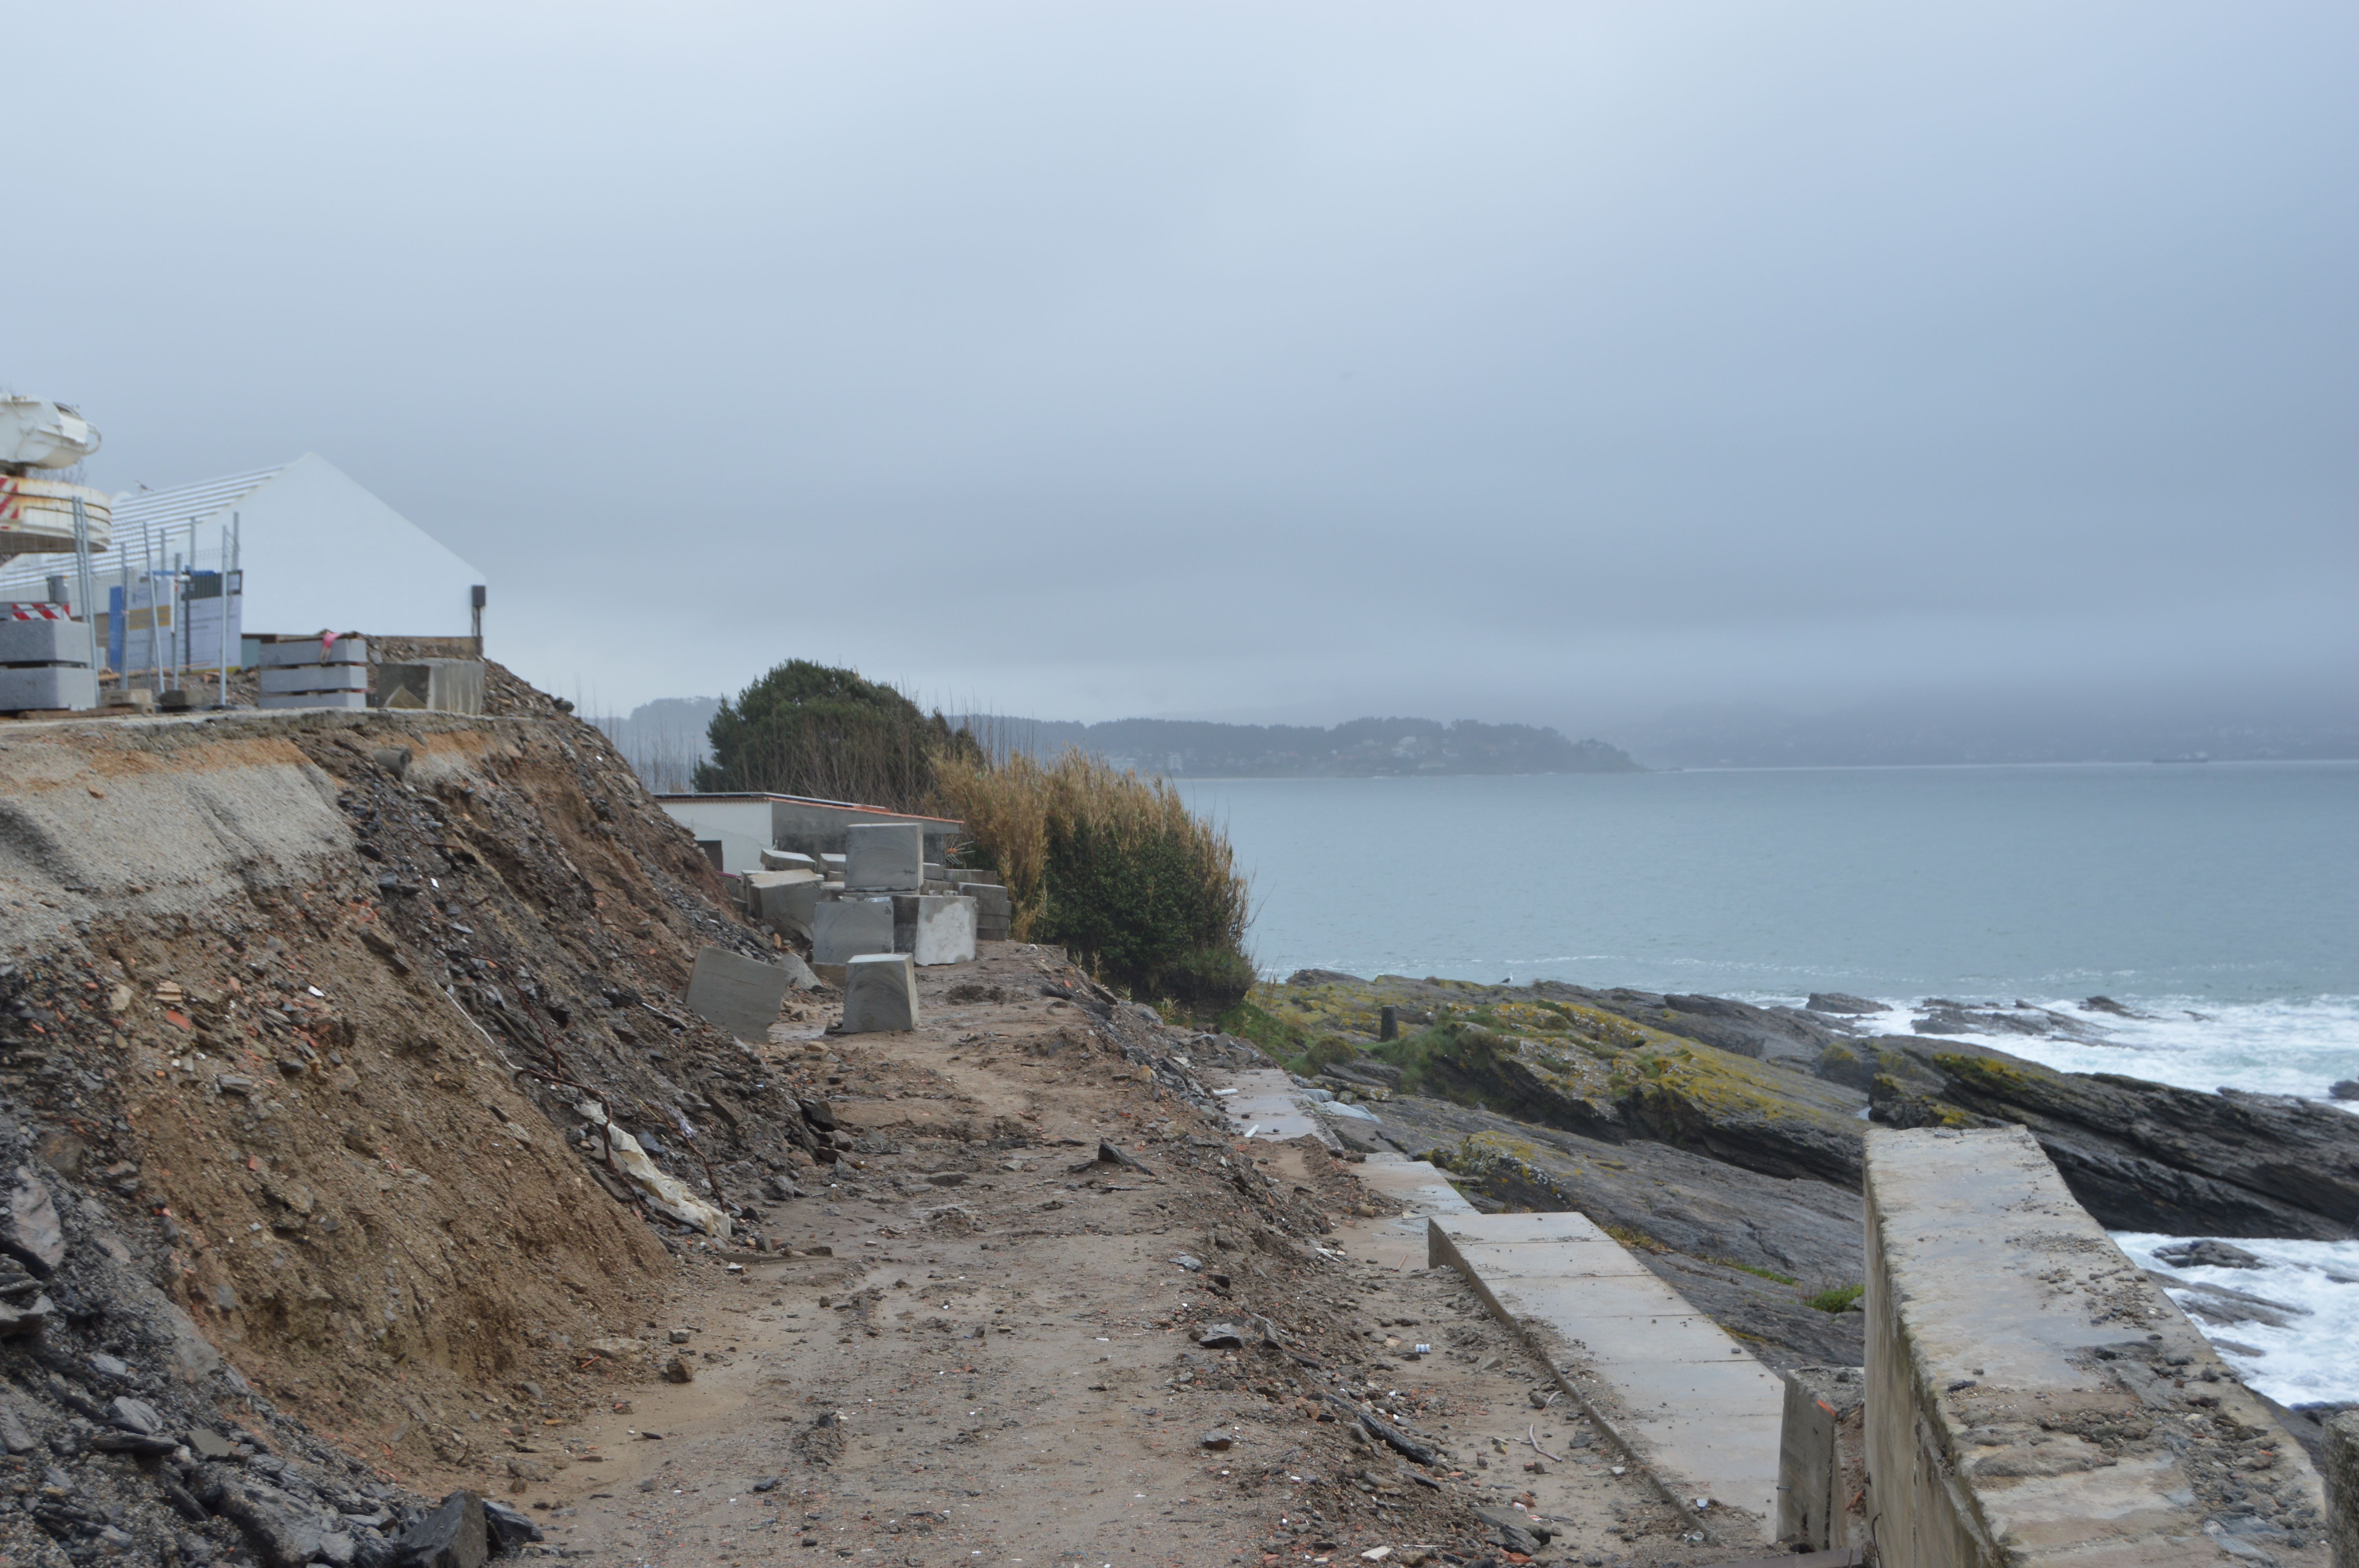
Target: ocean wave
[(2308, 1358)]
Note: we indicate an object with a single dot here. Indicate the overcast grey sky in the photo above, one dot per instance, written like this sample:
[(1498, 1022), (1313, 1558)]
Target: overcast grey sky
[(1557, 362)]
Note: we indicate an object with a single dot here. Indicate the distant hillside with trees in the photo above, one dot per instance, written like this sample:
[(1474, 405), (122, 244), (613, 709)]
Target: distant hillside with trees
[(1363, 748)]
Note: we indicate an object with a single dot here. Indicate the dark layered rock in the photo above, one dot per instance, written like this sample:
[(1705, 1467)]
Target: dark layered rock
[(1714, 1232), (2138, 1155)]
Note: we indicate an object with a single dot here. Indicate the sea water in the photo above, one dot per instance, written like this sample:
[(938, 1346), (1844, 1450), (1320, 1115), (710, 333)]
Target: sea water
[(2220, 902)]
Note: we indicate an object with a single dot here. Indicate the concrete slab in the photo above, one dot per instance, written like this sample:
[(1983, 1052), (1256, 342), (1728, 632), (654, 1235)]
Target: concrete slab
[(880, 994), (788, 860), (48, 687), (844, 928), (286, 653), (786, 901), (1691, 1406), (45, 643), (945, 931), (736, 993), (315, 677), (1267, 1105), (888, 857), (2033, 1398)]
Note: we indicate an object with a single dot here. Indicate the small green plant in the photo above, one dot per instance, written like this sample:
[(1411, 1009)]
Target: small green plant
[(1758, 1274), (1249, 1020), (1843, 1298)]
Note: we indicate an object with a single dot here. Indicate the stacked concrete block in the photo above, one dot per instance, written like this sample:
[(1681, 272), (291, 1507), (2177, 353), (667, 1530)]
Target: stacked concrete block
[(845, 928), (945, 930), (443, 686), (786, 901), (889, 856), (993, 910), (788, 860), (832, 868), (880, 994), (310, 671), (736, 993), (46, 665)]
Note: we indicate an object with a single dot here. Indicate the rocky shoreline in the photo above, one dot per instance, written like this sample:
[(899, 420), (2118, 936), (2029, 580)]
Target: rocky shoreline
[(1723, 1140)]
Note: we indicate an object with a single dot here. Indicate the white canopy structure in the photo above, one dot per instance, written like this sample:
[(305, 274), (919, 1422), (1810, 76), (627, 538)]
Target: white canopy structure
[(317, 552)]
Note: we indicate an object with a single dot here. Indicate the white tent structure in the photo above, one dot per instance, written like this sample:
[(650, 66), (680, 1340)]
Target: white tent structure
[(316, 552)]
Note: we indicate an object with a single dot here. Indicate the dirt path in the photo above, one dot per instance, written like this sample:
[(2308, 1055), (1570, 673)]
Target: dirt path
[(999, 1363)]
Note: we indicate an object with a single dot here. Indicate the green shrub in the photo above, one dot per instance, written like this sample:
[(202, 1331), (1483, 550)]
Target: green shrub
[(1841, 1299), (811, 730), (1142, 892)]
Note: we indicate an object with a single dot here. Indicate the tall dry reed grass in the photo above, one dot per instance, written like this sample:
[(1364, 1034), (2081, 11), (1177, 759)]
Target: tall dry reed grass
[(1140, 890)]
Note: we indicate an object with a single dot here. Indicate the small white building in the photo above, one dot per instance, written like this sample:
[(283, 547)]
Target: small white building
[(315, 552)]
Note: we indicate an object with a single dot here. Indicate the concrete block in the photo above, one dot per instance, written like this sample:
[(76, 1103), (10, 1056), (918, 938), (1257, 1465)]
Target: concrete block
[(889, 856), (1811, 1497), (786, 901), (945, 930), (2001, 1324), (315, 677), (990, 899), (441, 686), (831, 866), (788, 860), (48, 685), (736, 993), (297, 651), (844, 928), (44, 643), (355, 700), (2341, 1456), (880, 993)]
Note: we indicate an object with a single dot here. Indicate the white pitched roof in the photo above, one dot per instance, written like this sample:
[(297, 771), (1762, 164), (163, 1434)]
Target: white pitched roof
[(134, 509), (316, 550)]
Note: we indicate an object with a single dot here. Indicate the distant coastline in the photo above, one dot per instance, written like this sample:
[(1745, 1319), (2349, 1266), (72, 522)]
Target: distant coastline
[(1362, 748)]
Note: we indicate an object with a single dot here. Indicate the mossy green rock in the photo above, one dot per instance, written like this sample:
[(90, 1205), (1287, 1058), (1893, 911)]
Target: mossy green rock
[(1585, 1068)]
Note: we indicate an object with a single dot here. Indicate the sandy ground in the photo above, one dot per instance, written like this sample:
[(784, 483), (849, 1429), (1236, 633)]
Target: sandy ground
[(998, 1362)]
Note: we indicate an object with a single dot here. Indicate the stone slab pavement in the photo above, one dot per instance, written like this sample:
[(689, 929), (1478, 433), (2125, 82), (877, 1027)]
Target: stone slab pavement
[(1689, 1404)]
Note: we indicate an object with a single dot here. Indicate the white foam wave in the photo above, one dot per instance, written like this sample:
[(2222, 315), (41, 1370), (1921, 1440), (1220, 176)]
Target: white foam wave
[(2315, 1359), (2276, 1047)]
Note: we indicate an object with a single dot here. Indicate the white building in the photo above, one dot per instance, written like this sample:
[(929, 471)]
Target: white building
[(315, 550)]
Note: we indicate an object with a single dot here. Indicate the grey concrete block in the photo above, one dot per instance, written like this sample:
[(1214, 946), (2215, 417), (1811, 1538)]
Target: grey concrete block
[(44, 643), (48, 685), (889, 856), (317, 699), (844, 928), (880, 993), (786, 901), (990, 900), (441, 685), (315, 677), (788, 860), (356, 700), (2342, 1467), (297, 651), (945, 931), (736, 993)]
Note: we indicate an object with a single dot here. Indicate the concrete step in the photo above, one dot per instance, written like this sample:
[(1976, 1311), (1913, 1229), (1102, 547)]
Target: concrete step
[(1689, 1403)]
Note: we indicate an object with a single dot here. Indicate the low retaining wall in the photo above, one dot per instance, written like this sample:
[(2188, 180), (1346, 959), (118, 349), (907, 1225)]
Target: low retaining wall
[(2034, 1398)]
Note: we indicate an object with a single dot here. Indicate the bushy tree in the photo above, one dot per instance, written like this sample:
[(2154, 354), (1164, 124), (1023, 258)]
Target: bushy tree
[(813, 729)]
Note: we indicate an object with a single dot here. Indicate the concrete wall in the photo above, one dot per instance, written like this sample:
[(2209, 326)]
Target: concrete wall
[(742, 823), (2034, 1398)]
